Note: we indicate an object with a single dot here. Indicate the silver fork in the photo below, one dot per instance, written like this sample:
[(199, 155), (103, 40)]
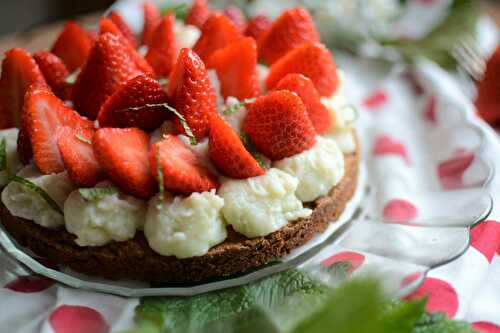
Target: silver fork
[(471, 63)]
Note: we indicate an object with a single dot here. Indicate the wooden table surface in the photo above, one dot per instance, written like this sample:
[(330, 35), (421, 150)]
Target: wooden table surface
[(42, 37)]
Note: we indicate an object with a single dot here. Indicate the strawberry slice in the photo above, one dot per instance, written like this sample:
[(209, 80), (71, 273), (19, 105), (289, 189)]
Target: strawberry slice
[(278, 125), (45, 113), (72, 46), (106, 25), (228, 153), (488, 99), (303, 86), (162, 50), (137, 92), (109, 65), (236, 16), (55, 72), (198, 13), (292, 29), (123, 154), (257, 26), (182, 172), (123, 26), (217, 33), (236, 68), (152, 17), (75, 146), (312, 60), (19, 71), (191, 93)]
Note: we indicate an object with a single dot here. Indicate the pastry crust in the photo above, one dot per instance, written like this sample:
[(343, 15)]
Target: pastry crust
[(135, 260)]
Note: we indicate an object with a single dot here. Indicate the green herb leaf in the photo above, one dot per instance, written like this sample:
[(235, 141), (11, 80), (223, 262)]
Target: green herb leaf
[(161, 184), (83, 139), (438, 323), (3, 155), (180, 11), (235, 107), (71, 79), (97, 193), (185, 125), (252, 150), (35, 188)]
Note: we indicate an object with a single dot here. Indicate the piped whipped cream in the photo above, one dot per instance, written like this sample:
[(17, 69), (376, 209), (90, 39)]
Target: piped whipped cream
[(13, 164), (114, 217), (186, 35), (261, 205), (185, 226), (23, 202)]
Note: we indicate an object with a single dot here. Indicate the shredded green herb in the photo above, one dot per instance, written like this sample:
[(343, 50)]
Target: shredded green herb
[(3, 155), (71, 79), (235, 107), (185, 125), (252, 150), (83, 139), (161, 185), (97, 193), (180, 11), (35, 188)]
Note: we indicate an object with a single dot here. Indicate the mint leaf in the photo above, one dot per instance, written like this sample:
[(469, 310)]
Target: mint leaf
[(245, 139), (35, 188), (438, 323), (3, 155), (180, 11), (185, 125), (161, 184), (97, 193), (235, 107), (83, 139)]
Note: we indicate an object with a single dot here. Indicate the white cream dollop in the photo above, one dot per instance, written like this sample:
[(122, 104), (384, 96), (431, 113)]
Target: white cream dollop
[(13, 163), (186, 35), (23, 202), (235, 119), (317, 169), (114, 217), (261, 205), (185, 226)]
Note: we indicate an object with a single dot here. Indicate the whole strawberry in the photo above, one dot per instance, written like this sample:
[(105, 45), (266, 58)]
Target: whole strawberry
[(123, 26), (312, 60), (162, 50), (118, 111), (109, 65), (257, 26), (292, 29), (236, 16), (236, 69), (303, 86), (73, 46), (278, 125), (228, 153), (191, 93), (198, 13), (55, 72)]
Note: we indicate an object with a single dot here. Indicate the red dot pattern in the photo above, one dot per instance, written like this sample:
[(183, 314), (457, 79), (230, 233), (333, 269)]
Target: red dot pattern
[(442, 297), (77, 319)]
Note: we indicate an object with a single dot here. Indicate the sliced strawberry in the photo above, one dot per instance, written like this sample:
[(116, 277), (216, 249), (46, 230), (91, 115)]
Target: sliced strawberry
[(162, 50), (292, 29), (191, 93), (488, 98), (182, 172), (72, 46), (236, 68), (45, 113), (236, 16), (303, 86), (217, 33), (55, 72), (75, 146), (257, 26), (198, 14), (110, 64), (278, 125), (106, 25), (123, 153), (19, 71), (228, 153), (312, 60), (152, 17), (123, 26), (137, 92)]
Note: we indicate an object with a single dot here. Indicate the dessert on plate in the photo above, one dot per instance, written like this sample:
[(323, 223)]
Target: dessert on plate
[(209, 146)]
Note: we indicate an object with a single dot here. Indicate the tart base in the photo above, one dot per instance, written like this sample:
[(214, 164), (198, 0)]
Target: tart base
[(135, 260)]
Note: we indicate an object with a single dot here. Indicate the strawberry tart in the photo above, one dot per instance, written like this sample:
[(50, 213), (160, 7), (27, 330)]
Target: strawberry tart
[(212, 145)]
